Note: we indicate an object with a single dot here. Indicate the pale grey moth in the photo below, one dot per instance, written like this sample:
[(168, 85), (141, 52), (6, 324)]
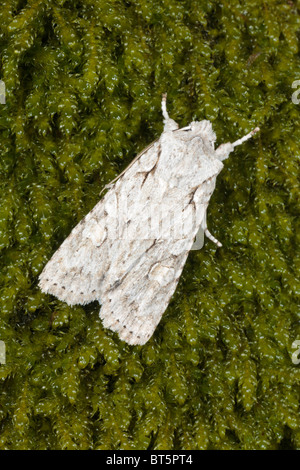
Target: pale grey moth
[(129, 251)]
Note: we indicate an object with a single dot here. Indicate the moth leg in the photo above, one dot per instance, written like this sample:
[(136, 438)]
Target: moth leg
[(212, 238), (169, 124), (199, 240), (207, 232)]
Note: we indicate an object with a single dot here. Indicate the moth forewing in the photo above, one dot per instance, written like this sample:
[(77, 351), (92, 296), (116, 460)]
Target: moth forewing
[(137, 157), (116, 257)]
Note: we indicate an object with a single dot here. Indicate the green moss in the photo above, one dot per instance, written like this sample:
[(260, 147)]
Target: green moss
[(84, 81)]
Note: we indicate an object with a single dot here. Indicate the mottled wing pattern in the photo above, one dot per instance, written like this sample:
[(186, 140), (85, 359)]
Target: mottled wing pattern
[(133, 304), (148, 272), (76, 271), (110, 258), (107, 256)]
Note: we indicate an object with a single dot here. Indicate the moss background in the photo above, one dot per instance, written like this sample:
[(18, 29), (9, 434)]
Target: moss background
[(83, 87)]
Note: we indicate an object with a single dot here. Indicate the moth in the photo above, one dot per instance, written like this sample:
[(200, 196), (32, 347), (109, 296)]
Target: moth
[(129, 251)]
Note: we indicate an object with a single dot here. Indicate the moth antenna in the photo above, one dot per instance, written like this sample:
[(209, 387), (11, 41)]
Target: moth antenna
[(246, 137), (169, 124), (164, 106)]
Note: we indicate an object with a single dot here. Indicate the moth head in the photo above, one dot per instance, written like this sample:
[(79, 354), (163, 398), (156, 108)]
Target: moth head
[(202, 129)]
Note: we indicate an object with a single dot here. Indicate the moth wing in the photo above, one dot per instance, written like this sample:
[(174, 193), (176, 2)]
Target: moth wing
[(144, 274), (138, 156), (76, 271), (132, 277), (134, 302)]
